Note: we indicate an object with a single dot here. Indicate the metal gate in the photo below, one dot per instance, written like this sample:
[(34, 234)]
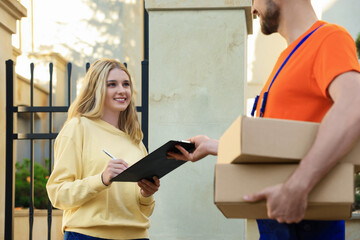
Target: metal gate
[(50, 136)]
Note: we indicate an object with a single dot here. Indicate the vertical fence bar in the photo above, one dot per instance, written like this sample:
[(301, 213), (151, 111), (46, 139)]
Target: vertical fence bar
[(87, 66), (145, 81), (145, 101), (69, 66), (49, 217), (146, 34), (31, 205), (9, 179)]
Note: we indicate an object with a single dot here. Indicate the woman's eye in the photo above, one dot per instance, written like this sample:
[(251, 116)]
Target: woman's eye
[(126, 84), (111, 84)]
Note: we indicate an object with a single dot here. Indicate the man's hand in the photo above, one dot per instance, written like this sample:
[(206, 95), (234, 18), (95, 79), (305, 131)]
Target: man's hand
[(284, 204), (148, 188), (203, 147)]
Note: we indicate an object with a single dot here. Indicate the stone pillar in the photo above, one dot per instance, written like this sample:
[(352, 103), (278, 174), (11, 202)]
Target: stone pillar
[(10, 11), (197, 71)]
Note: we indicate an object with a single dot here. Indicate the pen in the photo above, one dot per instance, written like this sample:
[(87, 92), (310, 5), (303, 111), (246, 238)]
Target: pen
[(109, 154)]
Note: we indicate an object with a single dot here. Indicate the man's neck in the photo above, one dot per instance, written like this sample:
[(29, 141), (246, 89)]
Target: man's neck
[(295, 19)]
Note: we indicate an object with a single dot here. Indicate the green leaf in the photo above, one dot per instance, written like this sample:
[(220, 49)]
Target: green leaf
[(22, 184)]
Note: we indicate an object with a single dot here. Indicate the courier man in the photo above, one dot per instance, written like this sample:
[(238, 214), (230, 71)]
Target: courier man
[(316, 78)]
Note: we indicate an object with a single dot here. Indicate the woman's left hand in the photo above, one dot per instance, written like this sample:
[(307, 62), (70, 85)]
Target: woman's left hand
[(148, 188)]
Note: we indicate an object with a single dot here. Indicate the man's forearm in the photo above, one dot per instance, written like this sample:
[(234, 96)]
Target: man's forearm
[(338, 132)]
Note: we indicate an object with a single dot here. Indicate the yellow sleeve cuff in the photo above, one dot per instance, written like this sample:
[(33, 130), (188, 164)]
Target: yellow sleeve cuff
[(96, 183), (146, 200)]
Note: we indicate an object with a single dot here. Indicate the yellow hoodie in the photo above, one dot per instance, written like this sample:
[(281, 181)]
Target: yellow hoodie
[(118, 211)]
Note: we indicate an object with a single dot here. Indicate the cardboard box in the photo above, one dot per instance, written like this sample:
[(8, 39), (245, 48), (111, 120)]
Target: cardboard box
[(266, 140), (331, 199)]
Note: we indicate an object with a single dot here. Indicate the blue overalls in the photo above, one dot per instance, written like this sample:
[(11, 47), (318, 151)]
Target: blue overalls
[(305, 230)]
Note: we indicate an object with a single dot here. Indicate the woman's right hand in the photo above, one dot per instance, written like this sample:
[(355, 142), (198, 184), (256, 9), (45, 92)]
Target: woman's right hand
[(114, 168)]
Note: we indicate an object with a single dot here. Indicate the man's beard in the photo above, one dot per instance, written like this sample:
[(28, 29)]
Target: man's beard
[(270, 22)]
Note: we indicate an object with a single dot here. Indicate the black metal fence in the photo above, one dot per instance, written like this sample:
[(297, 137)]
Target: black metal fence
[(49, 136)]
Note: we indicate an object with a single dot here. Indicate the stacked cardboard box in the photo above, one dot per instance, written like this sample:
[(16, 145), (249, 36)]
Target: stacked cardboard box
[(255, 153)]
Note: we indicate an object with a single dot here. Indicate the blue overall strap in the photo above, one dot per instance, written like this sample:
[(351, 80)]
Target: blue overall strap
[(255, 105), (264, 99)]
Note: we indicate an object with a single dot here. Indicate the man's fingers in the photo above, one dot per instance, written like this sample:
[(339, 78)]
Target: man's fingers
[(255, 197), (176, 156), (183, 151), (185, 155)]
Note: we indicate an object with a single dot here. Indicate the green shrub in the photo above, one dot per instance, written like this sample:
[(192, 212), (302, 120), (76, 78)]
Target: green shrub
[(22, 184), (357, 42), (357, 192)]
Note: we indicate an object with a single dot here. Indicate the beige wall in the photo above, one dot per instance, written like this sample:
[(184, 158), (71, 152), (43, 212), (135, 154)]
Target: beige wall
[(10, 11), (40, 227)]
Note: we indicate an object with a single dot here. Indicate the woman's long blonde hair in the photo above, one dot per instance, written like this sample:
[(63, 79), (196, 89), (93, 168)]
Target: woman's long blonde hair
[(90, 101)]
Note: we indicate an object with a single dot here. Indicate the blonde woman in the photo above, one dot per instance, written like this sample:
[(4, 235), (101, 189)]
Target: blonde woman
[(103, 116)]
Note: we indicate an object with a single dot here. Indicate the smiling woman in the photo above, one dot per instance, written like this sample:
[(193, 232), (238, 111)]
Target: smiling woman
[(103, 116)]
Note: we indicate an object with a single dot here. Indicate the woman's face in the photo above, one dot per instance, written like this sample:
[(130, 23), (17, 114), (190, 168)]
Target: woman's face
[(118, 91)]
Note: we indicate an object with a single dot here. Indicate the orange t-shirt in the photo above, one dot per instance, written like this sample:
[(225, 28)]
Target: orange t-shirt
[(300, 91)]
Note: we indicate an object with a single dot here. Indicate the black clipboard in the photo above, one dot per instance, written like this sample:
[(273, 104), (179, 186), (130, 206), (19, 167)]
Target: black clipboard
[(154, 164)]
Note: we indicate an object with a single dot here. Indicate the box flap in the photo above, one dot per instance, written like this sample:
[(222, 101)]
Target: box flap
[(230, 142), (277, 138)]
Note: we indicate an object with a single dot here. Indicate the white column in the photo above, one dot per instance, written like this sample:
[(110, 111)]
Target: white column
[(197, 69)]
